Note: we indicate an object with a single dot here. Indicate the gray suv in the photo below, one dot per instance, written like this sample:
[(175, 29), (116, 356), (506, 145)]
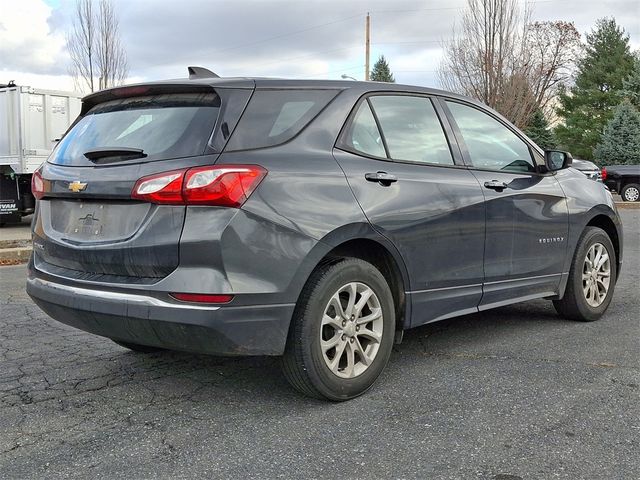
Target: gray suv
[(313, 220)]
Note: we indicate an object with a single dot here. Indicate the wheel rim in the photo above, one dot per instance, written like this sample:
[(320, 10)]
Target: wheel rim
[(351, 330), (631, 194), (596, 275)]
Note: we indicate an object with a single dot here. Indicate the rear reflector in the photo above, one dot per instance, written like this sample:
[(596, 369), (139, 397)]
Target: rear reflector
[(37, 185), (202, 298), (228, 186)]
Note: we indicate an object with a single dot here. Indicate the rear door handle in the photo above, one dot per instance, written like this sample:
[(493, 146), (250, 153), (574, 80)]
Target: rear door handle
[(495, 185), (383, 178)]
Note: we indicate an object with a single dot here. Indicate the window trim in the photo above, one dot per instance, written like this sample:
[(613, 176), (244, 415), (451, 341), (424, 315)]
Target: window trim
[(378, 126), (463, 145), (447, 130)]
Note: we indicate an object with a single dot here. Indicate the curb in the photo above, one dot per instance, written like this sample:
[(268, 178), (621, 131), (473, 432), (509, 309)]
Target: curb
[(15, 243), (14, 255), (630, 205)]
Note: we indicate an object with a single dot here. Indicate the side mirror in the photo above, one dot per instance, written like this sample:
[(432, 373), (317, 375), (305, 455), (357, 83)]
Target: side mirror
[(557, 160)]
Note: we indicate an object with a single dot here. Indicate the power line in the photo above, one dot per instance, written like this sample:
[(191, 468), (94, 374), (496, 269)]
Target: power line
[(286, 59), (288, 34)]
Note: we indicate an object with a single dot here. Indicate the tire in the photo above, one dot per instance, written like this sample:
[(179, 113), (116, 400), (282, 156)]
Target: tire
[(317, 318), (138, 348), (576, 304), (630, 192)]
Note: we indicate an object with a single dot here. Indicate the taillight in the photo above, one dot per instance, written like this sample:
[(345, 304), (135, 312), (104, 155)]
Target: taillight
[(603, 173), (163, 187), (228, 186), (224, 186), (202, 297), (37, 185)]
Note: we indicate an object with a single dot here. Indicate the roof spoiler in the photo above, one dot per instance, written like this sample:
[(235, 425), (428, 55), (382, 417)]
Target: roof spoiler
[(201, 72)]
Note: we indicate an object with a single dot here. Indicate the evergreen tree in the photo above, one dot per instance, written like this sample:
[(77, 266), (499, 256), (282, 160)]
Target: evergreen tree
[(381, 71), (589, 105), (620, 143), (631, 86), (538, 130)]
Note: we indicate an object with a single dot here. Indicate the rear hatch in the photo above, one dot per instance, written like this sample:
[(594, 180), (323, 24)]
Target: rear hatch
[(87, 225)]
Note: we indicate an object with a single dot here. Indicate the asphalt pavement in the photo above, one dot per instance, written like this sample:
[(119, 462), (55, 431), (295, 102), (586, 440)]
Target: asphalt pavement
[(513, 393)]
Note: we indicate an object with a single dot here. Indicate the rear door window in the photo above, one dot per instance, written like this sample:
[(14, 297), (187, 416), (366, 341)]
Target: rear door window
[(163, 126), (276, 116), (412, 129)]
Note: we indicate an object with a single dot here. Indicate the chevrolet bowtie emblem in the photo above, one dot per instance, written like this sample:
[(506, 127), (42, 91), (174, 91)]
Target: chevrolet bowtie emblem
[(76, 186)]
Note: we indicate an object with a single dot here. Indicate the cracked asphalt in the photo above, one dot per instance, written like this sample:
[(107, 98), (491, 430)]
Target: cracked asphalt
[(513, 393)]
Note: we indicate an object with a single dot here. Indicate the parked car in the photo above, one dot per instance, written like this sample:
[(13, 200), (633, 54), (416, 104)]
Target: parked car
[(623, 179), (587, 168), (316, 220)]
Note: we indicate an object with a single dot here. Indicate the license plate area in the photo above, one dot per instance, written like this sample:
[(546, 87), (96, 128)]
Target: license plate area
[(95, 221)]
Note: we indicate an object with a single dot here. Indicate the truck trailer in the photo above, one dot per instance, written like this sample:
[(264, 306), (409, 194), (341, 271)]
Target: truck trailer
[(31, 122)]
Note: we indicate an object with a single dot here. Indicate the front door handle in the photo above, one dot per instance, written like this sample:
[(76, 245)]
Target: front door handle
[(383, 178), (495, 185)]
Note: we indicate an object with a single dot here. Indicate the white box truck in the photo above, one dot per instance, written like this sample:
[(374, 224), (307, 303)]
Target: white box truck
[(31, 122)]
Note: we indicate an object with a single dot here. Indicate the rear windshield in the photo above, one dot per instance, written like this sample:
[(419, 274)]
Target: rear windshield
[(276, 116), (163, 126)]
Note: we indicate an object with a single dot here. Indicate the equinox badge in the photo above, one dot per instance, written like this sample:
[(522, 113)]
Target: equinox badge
[(76, 186)]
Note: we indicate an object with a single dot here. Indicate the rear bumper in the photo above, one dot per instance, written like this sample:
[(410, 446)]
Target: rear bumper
[(147, 320)]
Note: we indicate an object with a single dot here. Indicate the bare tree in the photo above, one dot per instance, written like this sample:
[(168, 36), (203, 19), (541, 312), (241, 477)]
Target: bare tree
[(502, 59), (552, 49), (485, 53), (95, 47), (81, 43), (112, 59)]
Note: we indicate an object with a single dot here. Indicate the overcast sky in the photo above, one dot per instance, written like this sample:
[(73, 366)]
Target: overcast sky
[(282, 38)]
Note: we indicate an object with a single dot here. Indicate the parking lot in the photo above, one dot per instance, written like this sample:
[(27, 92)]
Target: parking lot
[(506, 394)]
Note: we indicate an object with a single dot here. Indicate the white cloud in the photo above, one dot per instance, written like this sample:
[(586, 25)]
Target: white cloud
[(26, 40)]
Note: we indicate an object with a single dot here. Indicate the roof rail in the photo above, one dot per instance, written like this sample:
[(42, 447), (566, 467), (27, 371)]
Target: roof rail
[(201, 72)]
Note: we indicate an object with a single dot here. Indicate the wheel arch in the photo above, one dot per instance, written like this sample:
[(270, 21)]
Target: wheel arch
[(360, 240), (606, 223)]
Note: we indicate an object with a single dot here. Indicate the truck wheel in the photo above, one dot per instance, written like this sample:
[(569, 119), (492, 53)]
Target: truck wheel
[(631, 192), (592, 278), (138, 348), (342, 331)]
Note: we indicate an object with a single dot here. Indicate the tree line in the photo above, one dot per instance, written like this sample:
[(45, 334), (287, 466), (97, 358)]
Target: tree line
[(538, 74)]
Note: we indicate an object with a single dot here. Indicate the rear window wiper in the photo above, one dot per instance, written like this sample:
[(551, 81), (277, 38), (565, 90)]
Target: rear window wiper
[(114, 154)]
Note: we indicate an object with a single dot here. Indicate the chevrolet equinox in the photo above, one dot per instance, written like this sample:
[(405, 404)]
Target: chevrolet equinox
[(314, 220)]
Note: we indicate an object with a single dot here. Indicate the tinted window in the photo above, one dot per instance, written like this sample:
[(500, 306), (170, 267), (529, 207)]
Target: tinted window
[(491, 145), (412, 129), (275, 116), (163, 126), (363, 134)]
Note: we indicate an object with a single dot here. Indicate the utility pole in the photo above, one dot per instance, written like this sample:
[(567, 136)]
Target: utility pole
[(367, 42)]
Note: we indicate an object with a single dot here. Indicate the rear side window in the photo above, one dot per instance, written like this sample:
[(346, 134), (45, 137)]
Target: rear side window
[(276, 116), (412, 129), (163, 126)]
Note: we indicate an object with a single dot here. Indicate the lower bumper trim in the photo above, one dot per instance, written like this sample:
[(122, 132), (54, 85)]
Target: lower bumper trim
[(146, 320)]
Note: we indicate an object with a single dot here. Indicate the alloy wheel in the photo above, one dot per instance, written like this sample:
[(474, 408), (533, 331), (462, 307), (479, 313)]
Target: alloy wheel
[(596, 275), (351, 330)]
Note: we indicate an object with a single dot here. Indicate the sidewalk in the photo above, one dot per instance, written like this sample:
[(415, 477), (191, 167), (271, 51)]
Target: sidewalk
[(15, 242), (20, 231)]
